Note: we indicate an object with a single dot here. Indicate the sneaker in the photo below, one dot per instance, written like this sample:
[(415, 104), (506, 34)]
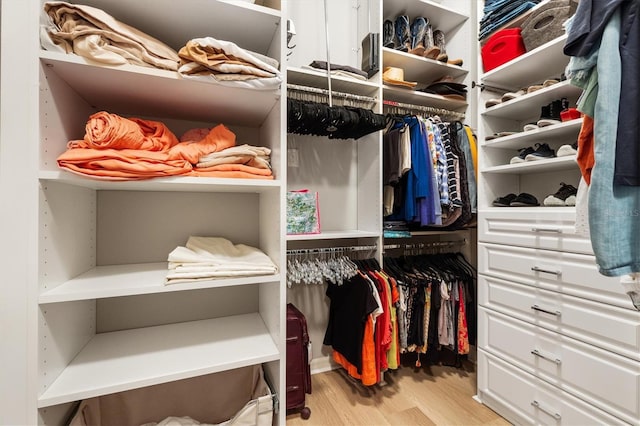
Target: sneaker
[(524, 200), (504, 201), (550, 114), (530, 126), (565, 196), (520, 158), (566, 150), (542, 152)]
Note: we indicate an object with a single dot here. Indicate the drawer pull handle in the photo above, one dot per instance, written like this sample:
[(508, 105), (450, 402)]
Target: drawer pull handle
[(546, 271), (556, 230), (548, 358), (546, 311), (544, 410)]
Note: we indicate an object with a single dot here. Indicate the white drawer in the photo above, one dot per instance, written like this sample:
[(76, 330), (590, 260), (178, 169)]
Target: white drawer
[(524, 399), (607, 380), (545, 229), (568, 273), (599, 324)]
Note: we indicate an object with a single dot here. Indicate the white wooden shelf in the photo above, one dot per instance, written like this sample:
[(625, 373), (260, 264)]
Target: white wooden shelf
[(528, 105), (312, 78), (174, 23), (165, 94), (541, 210), (417, 68), (557, 163), (170, 184), (333, 235), (414, 97), (123, 360), (530, 68), (133, 279), (441, 17), (567, 131)]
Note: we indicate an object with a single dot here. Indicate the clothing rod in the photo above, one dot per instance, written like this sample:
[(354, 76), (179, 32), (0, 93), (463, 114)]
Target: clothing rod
[(421, 108), (326, 92), (324, 250), (431, 244)]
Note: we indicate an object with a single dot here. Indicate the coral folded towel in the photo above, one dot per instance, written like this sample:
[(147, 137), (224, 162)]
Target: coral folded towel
[(117, 148), (214, 257)]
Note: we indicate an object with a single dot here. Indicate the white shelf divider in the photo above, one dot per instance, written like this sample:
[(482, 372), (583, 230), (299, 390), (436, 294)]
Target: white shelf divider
[(441, 17), (178, 183), (166, 93), (123, 360), (416, 68), (333, 235), (134, 279), (414, 97), (313, 78), (557, 163)]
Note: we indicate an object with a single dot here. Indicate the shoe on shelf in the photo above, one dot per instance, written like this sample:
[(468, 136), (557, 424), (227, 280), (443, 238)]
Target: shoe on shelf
[(418, 30), (542, 152), (512, 95), (520, 158), (504, 201), (438, 40), (534, 88), (530, 126), (402, 33), (492, 102), (550, 82), (565, 196), (388, 31), (457, 62), (524, 200), (431, 51), (550, 114), (566, 150)]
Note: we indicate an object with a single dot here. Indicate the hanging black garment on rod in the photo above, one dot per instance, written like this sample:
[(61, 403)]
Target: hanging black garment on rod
[(336, 122)]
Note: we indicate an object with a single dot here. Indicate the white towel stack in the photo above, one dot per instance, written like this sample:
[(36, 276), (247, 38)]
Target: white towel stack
[(206, 258)]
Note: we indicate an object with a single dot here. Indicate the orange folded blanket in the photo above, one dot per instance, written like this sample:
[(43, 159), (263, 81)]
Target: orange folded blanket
[(232, 170), (217, 139), (110, 131)]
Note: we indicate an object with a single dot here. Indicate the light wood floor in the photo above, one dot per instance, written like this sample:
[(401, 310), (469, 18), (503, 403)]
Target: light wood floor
[(434, 395)]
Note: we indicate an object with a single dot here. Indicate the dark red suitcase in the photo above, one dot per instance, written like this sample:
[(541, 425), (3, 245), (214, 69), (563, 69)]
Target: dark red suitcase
[(298, 370)]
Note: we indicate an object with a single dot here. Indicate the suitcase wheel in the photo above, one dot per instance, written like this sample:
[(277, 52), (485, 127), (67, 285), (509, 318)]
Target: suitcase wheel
[(305, 413)]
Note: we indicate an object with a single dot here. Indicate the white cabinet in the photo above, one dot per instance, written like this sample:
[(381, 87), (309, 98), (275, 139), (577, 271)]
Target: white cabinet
[(558, 342), (101, 319)]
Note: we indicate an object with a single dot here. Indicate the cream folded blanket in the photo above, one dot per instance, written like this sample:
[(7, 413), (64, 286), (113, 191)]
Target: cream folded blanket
[(224, 62), (215, 257), (92, 33), (254, 156)]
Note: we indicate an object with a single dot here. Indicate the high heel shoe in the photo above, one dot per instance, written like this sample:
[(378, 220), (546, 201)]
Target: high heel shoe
[(431, 51), (403, 36), (418, 30)]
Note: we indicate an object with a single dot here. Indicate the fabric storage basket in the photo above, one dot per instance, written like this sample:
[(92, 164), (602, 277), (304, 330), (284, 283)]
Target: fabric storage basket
[(502, 47), (239, 397), (546, 23)]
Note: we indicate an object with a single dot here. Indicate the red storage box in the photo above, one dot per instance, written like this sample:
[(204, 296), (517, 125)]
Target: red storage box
[(502, 47)]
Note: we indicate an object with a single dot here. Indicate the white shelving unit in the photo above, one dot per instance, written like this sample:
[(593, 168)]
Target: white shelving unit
[(538, 284), (98, 316)]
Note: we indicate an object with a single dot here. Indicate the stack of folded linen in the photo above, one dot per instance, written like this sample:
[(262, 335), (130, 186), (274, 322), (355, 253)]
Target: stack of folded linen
[(500, 12), (243, 160), (206, 258), (93, 34), (224, 62)]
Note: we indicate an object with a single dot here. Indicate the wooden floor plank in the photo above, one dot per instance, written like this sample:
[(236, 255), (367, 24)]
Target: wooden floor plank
[(431, 395)]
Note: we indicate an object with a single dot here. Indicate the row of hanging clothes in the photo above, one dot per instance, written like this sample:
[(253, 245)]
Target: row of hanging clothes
[(417, 304), (310, 111), (429, 171)]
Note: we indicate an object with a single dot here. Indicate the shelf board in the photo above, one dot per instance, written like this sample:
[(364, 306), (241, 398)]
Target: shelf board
[(312, 78), (133, 279), (532, 67), (420, 69), (528, 105), (557, 163), (176, 22), (333, 235), (536, 210), (142, 91), (123, 360), (408, 96), (567, 130), (169, 184), (441, 18)]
